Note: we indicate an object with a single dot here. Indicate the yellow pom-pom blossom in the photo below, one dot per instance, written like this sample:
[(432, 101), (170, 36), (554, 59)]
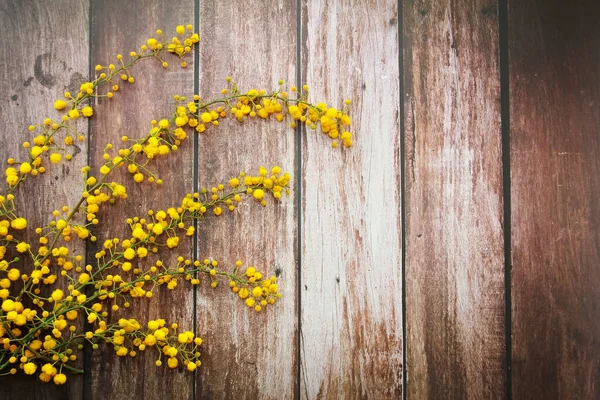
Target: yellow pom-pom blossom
[(258, 194), (22, 247), (8, 305), (234, 182), (25, 168), (139, 233), (74, 113), (173, 242), (181, 121), (19, 223), (83, 278), (87, 111), (142, 252), (119, 191), (57, 295), (81, 232), (13, 274), (129, 254), (154, 325), (29, 368), (172, 362), (60, 379), (257, 292), (55, 158), (206, 117), (157, 229), (60, 104), (92, 317)]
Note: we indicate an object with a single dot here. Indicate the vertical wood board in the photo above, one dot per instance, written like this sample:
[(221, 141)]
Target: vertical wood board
[(247, 354), (351, 282), (454, 215), (44, 54), (129, 112), (555, 169)]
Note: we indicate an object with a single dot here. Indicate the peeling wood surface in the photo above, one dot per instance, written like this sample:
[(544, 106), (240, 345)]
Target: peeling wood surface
[(455, 345), (555, 161), (129, 113), (351, 283), (248, 355), (44, 53)]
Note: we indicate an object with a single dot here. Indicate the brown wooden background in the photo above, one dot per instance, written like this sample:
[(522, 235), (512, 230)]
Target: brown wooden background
[(454, 252)]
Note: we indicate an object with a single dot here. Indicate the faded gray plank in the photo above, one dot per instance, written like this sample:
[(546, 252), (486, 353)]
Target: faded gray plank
[(129, 113), (44, 52), (351, 341), (555, 169), (454, 225), (247, 354)]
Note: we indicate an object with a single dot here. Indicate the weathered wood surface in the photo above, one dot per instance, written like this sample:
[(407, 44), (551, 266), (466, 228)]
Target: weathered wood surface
[(129, 113), (248, 355), (44, 53), (454, 222), (555, 168), (351, 272), (341, 273)]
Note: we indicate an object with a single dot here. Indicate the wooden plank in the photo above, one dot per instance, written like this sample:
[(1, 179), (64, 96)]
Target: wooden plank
[(46, 53), (247, 355), (129, 113), (454, 214), (555, 169), (351, 283)]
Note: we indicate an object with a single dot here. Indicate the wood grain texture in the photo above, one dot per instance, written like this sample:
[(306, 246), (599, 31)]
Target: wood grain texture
[(129, 113), (44, 52), (351, 282), (247, 355), (351, 244), (555, 169), (454, 221)]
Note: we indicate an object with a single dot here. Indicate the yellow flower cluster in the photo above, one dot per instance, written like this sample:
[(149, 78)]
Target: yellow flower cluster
[(129, 337), (277, 104), (40, 324), (75, 106), (254, 290)]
